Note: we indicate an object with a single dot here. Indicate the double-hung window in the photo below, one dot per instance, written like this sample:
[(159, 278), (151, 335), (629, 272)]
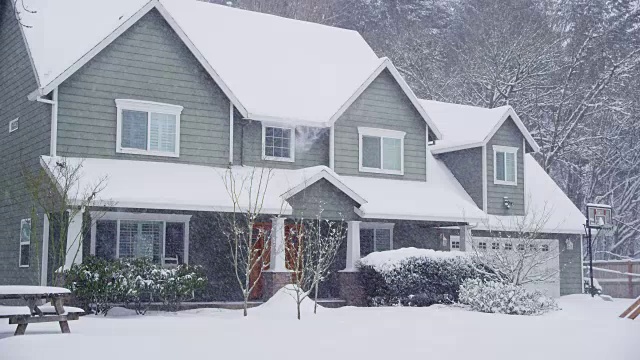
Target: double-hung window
[(148, 128), (505, 165), (25, 243), (375, 237), (381, 151), (278, 143)]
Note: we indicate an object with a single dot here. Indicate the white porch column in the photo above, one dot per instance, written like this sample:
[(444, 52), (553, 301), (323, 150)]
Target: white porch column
[(74, 240), (466, 243), (44, 268), (353, 245), (278, 256)]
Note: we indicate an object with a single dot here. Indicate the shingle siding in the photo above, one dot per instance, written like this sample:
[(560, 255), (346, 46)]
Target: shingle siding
[(147, 62), (19, 150), (507, 135), (466, 166), (382, 105)]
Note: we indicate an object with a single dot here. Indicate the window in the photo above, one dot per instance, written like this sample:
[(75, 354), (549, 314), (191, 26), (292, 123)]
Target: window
[(508, 246), (533, 247), (455, 245), (482, 245), (161, 238), (520, 247), (278, 143), (25, 243), (505, 165), (381, 151), (544, 247), (148, 128), (13, 125), (375, 237), (495, 246)]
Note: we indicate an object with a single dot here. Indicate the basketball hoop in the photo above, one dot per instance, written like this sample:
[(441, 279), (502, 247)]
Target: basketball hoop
[(606, 230)]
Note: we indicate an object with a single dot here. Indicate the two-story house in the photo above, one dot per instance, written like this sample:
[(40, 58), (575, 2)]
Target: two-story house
[(164, 100)]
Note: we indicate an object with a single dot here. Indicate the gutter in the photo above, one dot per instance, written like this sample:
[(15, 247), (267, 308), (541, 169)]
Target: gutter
[(53, 146)]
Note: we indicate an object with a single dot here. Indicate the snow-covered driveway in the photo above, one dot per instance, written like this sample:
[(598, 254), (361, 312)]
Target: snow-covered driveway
[(585, 329)]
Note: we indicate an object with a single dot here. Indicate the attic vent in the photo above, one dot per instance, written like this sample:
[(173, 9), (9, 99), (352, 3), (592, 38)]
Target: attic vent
[(13, 125)]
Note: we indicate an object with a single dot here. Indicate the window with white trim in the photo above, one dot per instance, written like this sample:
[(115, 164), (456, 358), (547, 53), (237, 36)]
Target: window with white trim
[(508, 246), (278, 143), (455, 244), (25, 243), (161, 238), (505, 165), (375, 237), (148, 128), (495, 246), (482, 245), (381, 151)]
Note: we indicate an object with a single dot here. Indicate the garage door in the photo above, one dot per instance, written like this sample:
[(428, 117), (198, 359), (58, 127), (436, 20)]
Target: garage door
[(542, 259)]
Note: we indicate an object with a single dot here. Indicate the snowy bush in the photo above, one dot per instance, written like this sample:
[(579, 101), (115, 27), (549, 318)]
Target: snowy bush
[(414, 277), (503, 298), (98, 283)]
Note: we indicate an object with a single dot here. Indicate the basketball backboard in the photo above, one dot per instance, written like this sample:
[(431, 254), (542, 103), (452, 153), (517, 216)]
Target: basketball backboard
[(598, 216)]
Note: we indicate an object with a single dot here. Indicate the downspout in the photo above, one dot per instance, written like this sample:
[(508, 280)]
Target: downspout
[(230, 133), (53, 146)]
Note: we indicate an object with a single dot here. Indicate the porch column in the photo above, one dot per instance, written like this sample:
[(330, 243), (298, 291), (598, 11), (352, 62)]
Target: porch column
[(466, 243), (74, 240), (353, 245), (278, 256)]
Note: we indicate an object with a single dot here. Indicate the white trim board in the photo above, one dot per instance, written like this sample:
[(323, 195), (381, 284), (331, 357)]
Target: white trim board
[(324, 174), (380, 133)]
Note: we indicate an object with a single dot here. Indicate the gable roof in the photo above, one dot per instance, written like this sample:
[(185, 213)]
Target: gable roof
[(386, 64), (271, 68), (466, 126)]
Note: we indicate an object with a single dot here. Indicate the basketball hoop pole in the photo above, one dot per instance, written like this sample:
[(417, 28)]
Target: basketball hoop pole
[(590, 261)]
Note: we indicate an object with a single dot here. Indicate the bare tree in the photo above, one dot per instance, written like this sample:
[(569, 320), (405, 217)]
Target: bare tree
[(56, 189), (312, 246), (249, 245), (515, 253)]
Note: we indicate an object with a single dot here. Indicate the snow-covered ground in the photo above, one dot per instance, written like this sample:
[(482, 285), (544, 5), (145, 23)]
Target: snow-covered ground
[(584, 329)]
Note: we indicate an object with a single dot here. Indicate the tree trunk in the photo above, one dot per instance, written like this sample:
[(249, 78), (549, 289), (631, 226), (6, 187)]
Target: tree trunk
[(315, 303)]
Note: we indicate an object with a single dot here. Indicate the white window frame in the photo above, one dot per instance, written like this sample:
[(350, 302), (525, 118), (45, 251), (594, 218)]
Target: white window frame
[(381, 133), (142, 217), (510, 150), (24, 242), (292, 142), (14, 125), (148, 107), (453, 240), (382, 226)]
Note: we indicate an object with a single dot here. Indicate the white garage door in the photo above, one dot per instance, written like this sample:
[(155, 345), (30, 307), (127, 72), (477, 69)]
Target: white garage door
[(542, 259)]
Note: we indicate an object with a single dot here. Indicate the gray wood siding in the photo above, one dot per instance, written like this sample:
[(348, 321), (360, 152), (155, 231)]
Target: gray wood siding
[(382, 105), (147, 62), (19, 150), (312, 146), (570, 264), (507, 135), (466, 166), (323, 197)]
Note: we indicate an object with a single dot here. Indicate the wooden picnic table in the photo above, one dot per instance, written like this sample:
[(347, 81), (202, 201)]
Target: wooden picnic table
[(35, 311)]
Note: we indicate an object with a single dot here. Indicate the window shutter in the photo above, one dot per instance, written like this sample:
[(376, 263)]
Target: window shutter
[(511, 166), (500, 166), (162, 132)]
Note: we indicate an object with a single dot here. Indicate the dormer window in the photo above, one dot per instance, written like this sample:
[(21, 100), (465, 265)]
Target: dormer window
[(148, 128), (278, 143), (381, 151), (505, 165)]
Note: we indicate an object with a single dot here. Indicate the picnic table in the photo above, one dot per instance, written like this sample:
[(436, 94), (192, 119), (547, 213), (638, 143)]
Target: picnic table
[(34, 310)]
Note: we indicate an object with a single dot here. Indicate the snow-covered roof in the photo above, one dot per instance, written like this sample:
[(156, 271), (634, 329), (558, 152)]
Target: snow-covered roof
[(272, 68), (440, 198), (127, 183), (547, 206), (464, 126), (162, 185)]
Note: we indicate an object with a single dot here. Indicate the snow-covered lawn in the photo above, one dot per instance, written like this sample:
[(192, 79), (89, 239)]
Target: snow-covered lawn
[(584, 329)]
